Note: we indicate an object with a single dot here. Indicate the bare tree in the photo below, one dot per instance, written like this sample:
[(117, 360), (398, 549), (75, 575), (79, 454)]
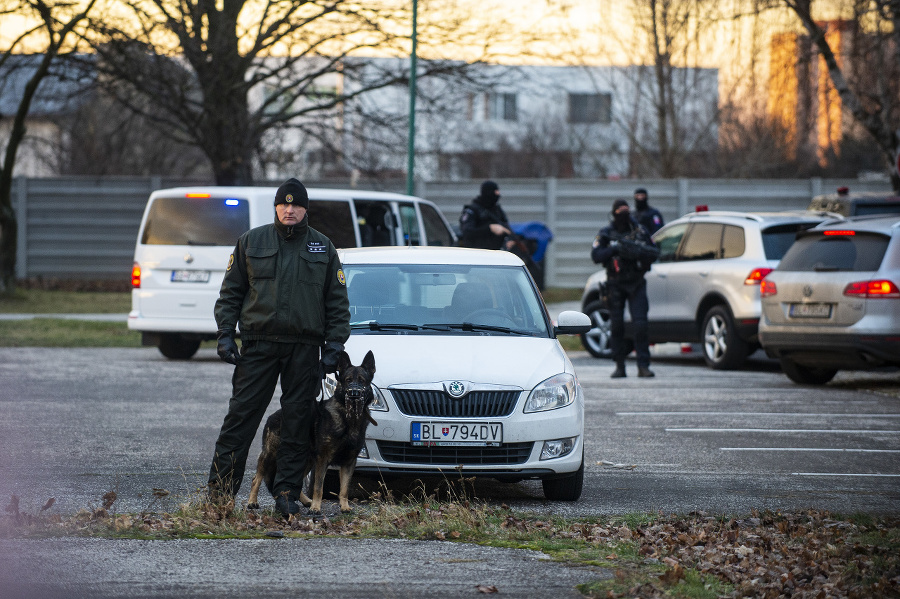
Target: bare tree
[(867, 86), (56, 22), (198, 64)]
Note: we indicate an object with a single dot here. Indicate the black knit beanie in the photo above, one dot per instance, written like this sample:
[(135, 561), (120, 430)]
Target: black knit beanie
[(292, 192)]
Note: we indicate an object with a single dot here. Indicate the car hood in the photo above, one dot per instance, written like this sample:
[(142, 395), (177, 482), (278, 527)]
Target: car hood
[(501, 360)]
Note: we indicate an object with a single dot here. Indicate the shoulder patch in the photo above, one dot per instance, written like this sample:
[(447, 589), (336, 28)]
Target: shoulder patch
[(230, 262), (340, 277), (316, 247)]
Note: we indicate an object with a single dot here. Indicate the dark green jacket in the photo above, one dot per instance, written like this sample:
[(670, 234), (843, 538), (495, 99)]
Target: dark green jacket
[(285, 284)]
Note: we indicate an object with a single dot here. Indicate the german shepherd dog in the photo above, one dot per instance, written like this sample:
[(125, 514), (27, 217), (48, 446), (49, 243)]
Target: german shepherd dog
[(338, 435)]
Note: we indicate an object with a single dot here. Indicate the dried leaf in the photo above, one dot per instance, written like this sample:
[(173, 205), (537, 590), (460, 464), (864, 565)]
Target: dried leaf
[(49, 504)]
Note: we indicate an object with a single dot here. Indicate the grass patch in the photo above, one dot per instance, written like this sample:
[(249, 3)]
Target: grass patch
[(55, 332), (40, 301), (640, 555)]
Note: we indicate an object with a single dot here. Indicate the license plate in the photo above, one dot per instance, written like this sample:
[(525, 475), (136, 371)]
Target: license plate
[(811, 310), (450, 434), (190, 276)]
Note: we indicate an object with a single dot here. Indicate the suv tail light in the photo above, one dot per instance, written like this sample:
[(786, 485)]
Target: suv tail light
[(136, 275), (767, 288), (881, 288), (756, 276)]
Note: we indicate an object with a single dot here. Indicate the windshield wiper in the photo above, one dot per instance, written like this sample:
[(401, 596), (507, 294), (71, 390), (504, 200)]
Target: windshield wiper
[(470, 326), (374, 325)]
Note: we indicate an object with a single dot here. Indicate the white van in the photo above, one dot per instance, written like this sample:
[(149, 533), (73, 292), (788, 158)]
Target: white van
[(187, 234)]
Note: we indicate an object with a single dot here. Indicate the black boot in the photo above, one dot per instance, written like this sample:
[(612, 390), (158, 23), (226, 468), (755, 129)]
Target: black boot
[(645, 372), (619, 372), (288, 507)]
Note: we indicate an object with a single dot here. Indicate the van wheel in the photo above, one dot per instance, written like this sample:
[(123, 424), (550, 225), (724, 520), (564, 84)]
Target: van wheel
[(178, 347), (806, 375), (565, 488), (722, 348)]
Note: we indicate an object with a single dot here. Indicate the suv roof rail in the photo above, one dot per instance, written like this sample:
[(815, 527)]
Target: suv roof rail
[(732, 213)]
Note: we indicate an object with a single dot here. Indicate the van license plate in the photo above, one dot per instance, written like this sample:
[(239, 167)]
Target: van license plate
[(190, 276), (811, 310), (449, 434)]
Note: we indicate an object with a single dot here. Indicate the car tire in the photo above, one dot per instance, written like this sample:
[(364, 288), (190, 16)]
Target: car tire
[(178, 347), (722, 348), (806, 375), (596, 341), (565, 488)]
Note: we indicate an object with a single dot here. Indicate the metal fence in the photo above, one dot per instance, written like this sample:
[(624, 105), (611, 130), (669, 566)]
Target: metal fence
[(85, 228)]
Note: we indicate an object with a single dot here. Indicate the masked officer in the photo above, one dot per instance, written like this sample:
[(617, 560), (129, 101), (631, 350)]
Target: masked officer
[(646, 215), (624, 247), (285, 287), (483, 224)]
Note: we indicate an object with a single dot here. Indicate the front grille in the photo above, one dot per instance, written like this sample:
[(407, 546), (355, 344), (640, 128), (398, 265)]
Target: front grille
[(406, 453), (437, 404)]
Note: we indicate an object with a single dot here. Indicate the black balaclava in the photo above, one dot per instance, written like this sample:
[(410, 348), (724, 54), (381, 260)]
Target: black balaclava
[(640, 204), (489, 196), (622, 220)]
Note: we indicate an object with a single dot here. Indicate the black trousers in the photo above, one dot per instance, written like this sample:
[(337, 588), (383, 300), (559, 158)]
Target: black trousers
[(253, 382), (635, 294)]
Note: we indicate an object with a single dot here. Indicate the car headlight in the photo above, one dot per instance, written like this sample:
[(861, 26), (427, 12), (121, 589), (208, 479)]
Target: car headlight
[(378, 404), (556, 392)]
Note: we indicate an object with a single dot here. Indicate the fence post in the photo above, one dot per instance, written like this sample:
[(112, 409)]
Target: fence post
[(21, 227), (815, 187), (683, 196), (550, 219)]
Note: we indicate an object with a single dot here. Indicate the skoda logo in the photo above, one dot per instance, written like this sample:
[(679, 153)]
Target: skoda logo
[(456, 389), (188, 258), (807, 291)]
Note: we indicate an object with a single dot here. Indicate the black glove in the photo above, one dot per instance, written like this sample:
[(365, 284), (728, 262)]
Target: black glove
[(331, 354), (227, 348)]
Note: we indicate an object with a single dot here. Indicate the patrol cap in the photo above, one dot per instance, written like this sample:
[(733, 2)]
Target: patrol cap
[(640, 191), (292, 192), (618, 204)]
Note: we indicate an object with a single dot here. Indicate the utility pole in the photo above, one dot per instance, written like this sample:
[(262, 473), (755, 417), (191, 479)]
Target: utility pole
[(411, 146)]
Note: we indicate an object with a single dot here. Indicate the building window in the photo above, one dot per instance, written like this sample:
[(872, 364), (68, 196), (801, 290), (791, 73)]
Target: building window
[(500, 107), (590, 108)]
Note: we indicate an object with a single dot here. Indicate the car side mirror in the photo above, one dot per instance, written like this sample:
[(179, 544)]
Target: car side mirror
[(572, 322)]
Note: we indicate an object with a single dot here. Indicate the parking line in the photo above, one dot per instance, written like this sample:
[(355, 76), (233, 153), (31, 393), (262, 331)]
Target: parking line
[(809, 449), (843, 474), (782, 430), (797, 414)]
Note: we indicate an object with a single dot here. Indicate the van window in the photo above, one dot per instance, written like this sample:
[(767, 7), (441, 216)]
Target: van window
[(435, 229), (333, 219), (196, 221), (376, 223), (410, 223)]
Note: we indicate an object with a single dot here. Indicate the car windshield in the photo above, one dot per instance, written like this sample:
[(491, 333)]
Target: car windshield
[(835, 251), (777, 239), (428, 299)]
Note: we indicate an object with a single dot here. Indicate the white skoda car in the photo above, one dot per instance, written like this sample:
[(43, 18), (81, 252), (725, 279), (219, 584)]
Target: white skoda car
[(470, 377)]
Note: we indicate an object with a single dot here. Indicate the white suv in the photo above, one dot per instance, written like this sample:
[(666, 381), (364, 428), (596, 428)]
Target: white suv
[(187, 234), (705, 285)]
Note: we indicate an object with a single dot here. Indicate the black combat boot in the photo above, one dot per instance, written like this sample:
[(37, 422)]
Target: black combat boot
[(619, 372)]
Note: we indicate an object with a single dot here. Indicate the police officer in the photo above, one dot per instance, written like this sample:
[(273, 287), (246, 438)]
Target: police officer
[(624, 247), (646, 215), (483, 224), (285, 287)]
